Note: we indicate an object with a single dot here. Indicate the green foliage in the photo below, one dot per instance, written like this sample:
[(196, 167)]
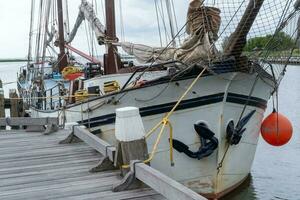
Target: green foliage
[(296, 52), (280, 42)]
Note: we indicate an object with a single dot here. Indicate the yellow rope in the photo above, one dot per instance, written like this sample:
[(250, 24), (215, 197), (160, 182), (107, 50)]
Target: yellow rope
[(154, 150), (185, 93), (153, 129), (165, 121), (171, 144)]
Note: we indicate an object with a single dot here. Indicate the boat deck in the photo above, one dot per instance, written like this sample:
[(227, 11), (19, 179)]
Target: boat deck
[(35, 166)]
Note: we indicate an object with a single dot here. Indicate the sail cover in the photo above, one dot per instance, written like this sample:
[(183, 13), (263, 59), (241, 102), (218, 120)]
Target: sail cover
[(86, 12), (145, 54), (203, 24)]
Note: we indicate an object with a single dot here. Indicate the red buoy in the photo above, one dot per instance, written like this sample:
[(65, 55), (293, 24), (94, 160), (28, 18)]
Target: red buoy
[(276, 132)]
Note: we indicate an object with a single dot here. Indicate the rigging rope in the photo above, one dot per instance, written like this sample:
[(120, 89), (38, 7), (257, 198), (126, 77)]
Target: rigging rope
[(67, 21), (282, 17), (91, 35), (158, 22), (38, 38), (162, 14), (220, 165), (170, 18), (103, 11), (121, 21), (166, 121), (168, 45), (87, 38), (29, 57), (175, 19)]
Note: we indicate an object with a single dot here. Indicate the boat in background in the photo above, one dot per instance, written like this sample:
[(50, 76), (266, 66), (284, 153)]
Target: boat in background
[(216, 126)]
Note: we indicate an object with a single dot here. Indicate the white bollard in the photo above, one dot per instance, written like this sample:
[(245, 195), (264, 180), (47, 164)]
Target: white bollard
[(129, 125), (130, 134)]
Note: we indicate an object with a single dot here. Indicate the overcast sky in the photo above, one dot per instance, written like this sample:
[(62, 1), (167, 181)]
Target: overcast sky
[(139, 18), (139, 21), (14, 23)]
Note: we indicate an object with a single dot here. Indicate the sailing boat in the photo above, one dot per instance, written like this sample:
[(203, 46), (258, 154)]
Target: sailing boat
[(216, 127)]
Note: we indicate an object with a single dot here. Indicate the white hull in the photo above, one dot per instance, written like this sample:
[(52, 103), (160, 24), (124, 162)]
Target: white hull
[(215, 100)]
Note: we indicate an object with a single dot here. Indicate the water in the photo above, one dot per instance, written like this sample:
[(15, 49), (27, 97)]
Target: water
[(276, 170), (8, 74)]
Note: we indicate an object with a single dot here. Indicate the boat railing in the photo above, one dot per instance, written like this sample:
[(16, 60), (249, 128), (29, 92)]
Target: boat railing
[(53, 97), (46, 100)]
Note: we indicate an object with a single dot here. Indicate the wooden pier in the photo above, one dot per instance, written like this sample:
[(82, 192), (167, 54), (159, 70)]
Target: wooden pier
[(13, 103), (35, 165), (295, 60)]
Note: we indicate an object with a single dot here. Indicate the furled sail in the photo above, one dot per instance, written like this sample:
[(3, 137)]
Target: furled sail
[(145, 54), (203, 24), (86, 11)]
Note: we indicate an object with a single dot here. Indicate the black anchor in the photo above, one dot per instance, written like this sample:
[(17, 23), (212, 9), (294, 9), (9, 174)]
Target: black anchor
[(234, 134), (208, 143)]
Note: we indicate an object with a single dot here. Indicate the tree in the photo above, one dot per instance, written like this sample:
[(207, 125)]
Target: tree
[(279, 42)]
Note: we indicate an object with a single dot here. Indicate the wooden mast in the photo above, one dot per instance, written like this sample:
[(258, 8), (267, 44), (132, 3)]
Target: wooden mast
[(62, 57), (29, 57), (238, 39), (111, 58)]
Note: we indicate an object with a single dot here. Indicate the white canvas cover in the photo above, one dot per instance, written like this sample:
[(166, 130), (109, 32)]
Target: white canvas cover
[(202, 27)]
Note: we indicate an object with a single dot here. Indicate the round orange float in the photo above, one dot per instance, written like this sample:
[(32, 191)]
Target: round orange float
[(276, 129)]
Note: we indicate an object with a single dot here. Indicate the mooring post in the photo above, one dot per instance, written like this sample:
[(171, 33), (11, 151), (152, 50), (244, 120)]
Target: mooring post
[(130, 134), (14, 105), (2, 104)]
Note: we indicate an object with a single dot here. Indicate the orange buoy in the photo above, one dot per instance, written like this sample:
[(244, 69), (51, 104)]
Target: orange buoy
[(276, 132)]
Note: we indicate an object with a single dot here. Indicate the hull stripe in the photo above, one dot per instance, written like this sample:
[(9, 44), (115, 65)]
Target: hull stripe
[(242, 99), (186, 104)]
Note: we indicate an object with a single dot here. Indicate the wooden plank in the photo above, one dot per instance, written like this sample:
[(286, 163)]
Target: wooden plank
[(141, 194), (60, 189), (95, 142), (31, 171), (44, 181), (164, 185), (28, 121)]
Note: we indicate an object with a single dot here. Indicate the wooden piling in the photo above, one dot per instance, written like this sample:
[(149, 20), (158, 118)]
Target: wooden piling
[(133, 150), (2, 104), (127, 152), (14, 105)]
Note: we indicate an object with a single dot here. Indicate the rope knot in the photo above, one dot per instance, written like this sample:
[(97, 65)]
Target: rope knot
[(165, 121)]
